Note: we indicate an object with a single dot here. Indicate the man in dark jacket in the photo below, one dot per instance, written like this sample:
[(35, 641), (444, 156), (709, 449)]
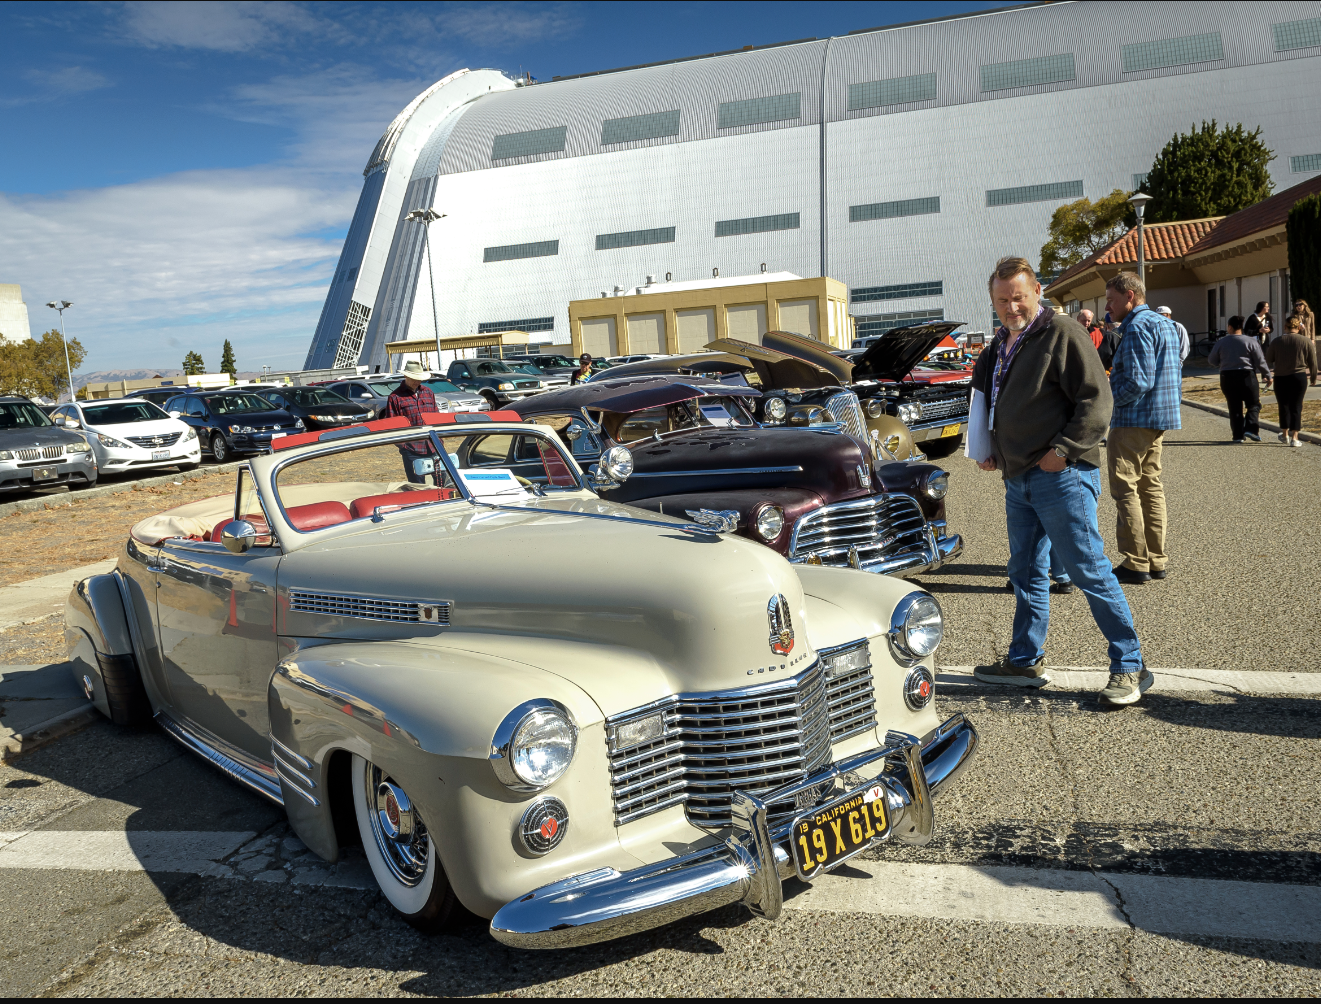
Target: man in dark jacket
[(1049, 408)]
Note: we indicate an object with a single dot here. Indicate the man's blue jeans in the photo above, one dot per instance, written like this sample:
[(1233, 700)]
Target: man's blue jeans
[(1053, 515)]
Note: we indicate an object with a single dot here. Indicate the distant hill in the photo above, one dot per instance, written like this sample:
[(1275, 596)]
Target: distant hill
[(109, 376)]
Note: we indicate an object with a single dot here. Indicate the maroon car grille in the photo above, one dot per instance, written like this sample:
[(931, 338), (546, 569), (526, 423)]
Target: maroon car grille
[(880, 527)]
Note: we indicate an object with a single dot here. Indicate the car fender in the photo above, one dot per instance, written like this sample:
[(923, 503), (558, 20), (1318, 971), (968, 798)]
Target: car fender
[(426, 716), (96, 634)]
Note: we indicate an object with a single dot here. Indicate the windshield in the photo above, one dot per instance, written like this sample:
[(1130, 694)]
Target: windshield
[(721, 412), (529, 369), (489, 367), (308, 397), (123, 413), (544, 361), (237, 404), (384, 387), (22, 415), (442, 387)]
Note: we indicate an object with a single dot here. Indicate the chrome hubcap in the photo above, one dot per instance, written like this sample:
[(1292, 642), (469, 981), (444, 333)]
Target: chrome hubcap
[(400, 835)]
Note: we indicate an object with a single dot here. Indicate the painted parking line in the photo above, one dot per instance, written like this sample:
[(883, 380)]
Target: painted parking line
[(1167, 680), (1176, 906)]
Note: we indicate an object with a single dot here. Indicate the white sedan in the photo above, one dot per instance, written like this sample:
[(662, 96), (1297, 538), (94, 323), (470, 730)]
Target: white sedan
[(132, 433)]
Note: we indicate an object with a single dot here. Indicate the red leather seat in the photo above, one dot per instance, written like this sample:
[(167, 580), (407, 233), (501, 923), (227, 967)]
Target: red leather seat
[(303, 517), (364, 506)]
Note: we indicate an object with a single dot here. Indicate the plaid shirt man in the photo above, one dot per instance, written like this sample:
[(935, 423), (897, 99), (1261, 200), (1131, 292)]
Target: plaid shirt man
[(412, 405), (1146, 377)]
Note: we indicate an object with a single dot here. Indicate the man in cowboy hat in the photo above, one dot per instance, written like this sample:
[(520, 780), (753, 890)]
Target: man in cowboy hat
[(411, 400)]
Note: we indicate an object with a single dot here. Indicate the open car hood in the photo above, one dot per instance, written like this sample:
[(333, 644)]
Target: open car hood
[(900, 349), (786, 360), (626, 395), (714, 363)]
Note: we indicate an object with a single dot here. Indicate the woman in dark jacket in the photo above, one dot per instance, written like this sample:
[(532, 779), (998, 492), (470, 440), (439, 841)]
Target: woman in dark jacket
[(1258, 324), (1293, 357)]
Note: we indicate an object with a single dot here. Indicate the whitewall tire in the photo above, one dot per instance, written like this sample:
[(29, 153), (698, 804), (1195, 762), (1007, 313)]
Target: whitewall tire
[(406, 869)]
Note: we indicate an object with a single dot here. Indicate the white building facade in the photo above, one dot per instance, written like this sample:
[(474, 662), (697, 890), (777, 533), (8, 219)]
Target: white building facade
[(14, 325), (901, 161)]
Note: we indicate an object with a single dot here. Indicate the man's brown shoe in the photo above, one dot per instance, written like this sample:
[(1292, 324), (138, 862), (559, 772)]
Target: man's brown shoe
[(1005, 673)]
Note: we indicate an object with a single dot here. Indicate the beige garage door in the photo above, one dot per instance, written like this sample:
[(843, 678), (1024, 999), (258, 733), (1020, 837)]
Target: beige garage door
[(799, 316), (747, 322), (599, 337), (696, 328), (646, 333)]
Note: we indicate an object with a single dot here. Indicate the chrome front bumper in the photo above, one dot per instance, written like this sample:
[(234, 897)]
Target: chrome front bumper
[(925, 433), (750, 866), (936, 553)]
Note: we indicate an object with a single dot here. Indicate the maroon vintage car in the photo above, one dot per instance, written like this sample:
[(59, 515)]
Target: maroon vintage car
[(817, 494)]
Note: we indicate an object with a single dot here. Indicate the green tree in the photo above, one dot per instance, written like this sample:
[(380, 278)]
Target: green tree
[(1082, 228), (227, 359), (192, 364), (1304, 232), (1208, 172), (35, 367)]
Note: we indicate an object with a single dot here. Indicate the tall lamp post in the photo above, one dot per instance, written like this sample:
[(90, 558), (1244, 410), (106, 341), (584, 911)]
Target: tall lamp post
[(427, 217), (1139, 201), (62, 306)]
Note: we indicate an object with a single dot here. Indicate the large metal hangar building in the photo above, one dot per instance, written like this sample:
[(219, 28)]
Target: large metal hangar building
[(901, 161)]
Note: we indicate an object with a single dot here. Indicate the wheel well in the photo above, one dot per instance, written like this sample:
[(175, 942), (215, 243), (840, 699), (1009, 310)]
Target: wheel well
[(339, 780)]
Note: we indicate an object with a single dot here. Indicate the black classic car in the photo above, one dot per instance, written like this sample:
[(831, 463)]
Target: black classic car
[(692, 447)]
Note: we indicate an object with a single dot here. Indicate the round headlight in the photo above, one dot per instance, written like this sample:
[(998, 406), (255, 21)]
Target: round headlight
[(542, 748), (818, 416), (874, 407), (892, 442), (916, 627), (775, 409), (617, 462), (770, 522), (937, 485), (533, 746), (908, 413)]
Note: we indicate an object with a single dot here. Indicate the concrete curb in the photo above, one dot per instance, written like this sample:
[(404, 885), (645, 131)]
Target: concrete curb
[(1310, 437), (65, 498), (44, 733)]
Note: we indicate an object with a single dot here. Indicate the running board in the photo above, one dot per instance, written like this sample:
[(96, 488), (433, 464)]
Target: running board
[(241, 767)]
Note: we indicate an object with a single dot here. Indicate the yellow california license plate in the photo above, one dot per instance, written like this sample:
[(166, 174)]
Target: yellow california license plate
[(951, 430), (831, 834)]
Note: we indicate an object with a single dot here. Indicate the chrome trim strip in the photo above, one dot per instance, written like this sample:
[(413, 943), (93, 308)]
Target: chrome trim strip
[(279, 747), (795, 469), (289, 772), (252, 775), (285, 774)]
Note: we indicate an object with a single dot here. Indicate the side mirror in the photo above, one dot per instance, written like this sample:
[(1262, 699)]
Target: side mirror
[(574, 433), (176, 414), (71, 423), (238, 536), (423, 466)]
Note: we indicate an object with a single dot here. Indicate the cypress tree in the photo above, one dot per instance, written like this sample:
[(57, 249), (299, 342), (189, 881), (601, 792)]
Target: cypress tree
[(227, 359), (1208, 172), (1304, 233)]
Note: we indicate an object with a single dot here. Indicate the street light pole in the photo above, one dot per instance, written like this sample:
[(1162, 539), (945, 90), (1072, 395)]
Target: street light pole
[(62, 306), (427, 217), (1139, 202)]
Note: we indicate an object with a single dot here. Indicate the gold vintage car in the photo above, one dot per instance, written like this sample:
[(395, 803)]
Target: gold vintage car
[(574, 717)]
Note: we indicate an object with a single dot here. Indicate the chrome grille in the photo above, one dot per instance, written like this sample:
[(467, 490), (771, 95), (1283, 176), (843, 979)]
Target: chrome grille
[(880, 527), (944, 407), (850, 691), (753, 740), (165, 439), (39, 453), (369, 608), (845, 409), (526, 384)]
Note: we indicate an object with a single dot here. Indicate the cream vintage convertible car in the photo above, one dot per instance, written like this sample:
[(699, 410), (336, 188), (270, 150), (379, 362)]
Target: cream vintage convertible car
[(574, 717)]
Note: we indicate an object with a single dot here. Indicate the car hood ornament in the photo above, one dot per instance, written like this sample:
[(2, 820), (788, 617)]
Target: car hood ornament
[(782, 626)]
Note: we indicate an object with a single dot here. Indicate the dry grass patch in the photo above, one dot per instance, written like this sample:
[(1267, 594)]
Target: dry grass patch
[(1270, 410), (36, 644), (75, 530)]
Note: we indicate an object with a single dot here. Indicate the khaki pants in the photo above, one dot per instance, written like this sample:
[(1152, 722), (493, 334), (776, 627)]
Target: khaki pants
[(1133, 458)]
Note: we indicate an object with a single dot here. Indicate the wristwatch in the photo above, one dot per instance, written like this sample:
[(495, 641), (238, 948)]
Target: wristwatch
[(1061, 454)]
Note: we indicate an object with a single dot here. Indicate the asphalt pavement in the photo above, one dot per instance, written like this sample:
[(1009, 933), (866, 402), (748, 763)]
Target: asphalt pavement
[(1171, 848)]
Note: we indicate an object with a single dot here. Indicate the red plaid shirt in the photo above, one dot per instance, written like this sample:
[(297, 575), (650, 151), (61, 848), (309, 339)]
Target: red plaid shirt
[(411, 404)]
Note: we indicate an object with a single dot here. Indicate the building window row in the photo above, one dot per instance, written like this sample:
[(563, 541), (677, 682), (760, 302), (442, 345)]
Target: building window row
[(529, 144), (635, 238), (895, 91), (1297, 34), (1305, 164), (512, 252), (871, 325), (756, 111), (902, 291), (528, 324), (1172, 52), (756, 225), (1140, 179), (1028, 72), (1056, 191), (345, 275), (638, 127), (889, 210)]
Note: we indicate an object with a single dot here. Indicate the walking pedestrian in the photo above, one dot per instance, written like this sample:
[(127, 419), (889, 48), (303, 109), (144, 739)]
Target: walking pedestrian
[(1146, 383), (1292, 356), (1239, 358), (1049, 406), (1185, 346), (411, 400), (1258, 324), (1308, 320)]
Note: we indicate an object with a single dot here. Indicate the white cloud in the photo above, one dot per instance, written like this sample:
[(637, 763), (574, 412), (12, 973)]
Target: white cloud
[(221, 25), (498, 25), (69, 80)]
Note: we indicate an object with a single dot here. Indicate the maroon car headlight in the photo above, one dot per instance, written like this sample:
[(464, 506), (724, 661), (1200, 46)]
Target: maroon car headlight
[(770, 522), (936, 485)]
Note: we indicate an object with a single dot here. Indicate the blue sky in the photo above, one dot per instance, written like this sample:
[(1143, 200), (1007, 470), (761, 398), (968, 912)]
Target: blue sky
[(185, 172)]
